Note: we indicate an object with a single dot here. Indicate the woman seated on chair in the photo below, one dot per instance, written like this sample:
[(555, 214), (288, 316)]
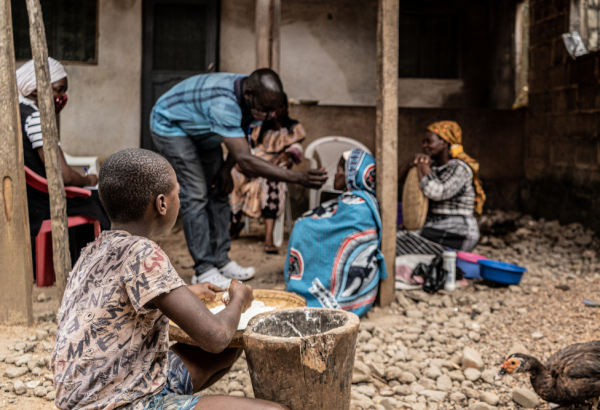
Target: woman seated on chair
[(334, 258), (277, 140), (39, 202), (450, 179)]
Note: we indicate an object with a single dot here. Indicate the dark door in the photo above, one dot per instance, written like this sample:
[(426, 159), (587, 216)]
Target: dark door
[(180, 41)]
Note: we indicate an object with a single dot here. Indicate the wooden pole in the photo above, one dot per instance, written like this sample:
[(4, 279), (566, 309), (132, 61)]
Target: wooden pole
[(267, 29), (56, 189), (16, 273), (387, 136)]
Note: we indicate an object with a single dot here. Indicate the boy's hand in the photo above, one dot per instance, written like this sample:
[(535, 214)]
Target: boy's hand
[(239, 290), (205, 290)]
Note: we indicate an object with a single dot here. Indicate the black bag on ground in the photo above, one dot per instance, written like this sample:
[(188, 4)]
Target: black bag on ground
[(434, 275)]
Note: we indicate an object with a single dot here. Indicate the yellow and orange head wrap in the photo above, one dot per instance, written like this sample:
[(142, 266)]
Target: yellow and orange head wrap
[(450, 132)]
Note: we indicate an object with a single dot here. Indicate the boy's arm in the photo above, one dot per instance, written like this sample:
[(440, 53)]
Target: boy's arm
[(211, 332)]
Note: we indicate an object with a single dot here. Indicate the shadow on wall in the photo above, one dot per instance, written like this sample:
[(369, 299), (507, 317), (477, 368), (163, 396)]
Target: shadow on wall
[(561, 198)]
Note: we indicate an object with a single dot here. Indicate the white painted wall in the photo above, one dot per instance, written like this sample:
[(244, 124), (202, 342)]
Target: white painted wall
[(328, 53), (103, 114)]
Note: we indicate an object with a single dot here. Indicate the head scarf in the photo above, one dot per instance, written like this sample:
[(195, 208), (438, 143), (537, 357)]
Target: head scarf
[(26, 82), (360, 171), (450, 132)]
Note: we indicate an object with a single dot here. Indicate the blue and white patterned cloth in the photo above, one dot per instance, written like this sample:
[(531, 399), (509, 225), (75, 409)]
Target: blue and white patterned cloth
[(334, 258), (177, 393)]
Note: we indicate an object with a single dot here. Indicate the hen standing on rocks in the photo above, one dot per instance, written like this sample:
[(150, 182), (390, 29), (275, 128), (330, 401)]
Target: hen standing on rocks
[(570, 376)]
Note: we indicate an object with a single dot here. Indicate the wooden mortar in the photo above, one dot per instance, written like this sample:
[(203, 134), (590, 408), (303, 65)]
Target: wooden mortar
[(304, 373)]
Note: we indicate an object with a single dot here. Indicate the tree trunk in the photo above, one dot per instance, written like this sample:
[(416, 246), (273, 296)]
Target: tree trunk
[(387, 136), (56, 188), (15, 243)]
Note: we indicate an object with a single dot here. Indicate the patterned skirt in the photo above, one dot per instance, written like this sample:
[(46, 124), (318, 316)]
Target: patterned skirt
[(440, 232), (256, 197)]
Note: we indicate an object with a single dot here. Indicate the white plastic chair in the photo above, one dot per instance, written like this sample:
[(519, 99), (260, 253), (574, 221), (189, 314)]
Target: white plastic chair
[(329, 150), (91, 163)]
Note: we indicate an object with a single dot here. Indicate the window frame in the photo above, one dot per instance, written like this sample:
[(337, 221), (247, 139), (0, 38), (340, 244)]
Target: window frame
[(96, 44)]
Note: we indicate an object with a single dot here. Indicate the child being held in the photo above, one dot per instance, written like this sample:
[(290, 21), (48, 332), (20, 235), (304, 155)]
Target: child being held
[(112, 342)]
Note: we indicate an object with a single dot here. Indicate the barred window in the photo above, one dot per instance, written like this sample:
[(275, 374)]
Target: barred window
[(585, 19), (71, 29)]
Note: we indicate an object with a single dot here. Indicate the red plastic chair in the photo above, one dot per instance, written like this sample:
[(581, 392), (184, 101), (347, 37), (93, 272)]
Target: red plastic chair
[(44, 265)]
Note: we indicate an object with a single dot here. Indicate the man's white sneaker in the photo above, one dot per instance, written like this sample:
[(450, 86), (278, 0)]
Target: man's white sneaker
[(212, 276), (234, 271)]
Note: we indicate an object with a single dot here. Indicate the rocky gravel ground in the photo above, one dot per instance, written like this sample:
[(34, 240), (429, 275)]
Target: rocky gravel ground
[(425, 352)]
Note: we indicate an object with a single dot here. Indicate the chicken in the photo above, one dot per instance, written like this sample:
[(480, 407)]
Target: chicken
[(571, 375)]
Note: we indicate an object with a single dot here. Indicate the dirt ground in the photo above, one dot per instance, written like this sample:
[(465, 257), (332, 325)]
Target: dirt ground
[(420, 334), (247, 250)]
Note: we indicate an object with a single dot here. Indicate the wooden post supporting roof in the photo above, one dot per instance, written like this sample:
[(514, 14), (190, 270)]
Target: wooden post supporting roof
[(16, 272), (268, 22), (387, 136), (56, 188)]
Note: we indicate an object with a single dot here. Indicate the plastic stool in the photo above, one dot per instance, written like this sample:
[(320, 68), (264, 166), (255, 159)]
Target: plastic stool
[(44, 264)]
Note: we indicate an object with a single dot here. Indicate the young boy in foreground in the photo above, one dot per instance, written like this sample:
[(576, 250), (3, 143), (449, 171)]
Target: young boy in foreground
[(112, 343)]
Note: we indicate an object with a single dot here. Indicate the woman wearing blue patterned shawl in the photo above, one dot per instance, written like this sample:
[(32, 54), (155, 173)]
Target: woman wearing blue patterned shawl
[(334, 258)]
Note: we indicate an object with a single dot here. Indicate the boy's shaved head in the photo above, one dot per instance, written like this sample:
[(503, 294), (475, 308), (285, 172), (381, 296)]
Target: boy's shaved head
[(130, 180)]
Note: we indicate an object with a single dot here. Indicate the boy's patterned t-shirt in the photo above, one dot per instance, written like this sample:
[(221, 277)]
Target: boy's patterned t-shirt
[(111, 349)]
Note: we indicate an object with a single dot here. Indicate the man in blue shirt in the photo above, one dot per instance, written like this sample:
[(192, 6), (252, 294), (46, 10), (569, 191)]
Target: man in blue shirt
[(189, 123)]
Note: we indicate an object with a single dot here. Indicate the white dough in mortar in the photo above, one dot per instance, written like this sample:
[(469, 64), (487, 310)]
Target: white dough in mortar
[(256, 308)]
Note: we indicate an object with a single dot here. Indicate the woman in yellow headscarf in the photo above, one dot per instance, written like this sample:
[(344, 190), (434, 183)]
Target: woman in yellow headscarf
[(450, 179)]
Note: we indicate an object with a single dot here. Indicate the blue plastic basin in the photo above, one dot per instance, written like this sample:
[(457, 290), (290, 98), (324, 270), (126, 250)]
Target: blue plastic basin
[(501, 272)]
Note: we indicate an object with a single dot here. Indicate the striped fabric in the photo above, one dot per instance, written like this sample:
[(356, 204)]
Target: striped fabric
[(32, 126), (440, 231), (411, 243), (204, 107)]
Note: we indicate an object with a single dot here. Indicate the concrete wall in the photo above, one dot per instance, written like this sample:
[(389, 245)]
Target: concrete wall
[(328, 53), (104, 109), (494, 137), (563, 152)]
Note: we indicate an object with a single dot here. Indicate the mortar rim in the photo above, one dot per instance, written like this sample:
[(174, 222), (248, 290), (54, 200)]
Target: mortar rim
[(249, 333)]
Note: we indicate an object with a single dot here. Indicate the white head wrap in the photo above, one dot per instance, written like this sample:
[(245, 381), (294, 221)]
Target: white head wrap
[(26, 82)]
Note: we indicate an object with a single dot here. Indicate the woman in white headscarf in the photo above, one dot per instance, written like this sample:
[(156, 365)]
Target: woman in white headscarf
[(38, 202)]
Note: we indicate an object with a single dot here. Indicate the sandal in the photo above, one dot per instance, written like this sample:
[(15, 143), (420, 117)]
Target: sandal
[(271, 249)]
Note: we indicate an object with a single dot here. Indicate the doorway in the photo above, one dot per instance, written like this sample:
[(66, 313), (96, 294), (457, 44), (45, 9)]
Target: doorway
[(180, 41)]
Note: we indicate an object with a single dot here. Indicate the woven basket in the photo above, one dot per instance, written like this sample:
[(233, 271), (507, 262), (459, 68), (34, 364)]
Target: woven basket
[(275, 298), (414, 203)]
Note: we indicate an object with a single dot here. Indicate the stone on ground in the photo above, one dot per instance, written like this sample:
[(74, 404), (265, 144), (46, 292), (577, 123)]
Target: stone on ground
[(489, 398), (19, 387), (39, 391), (489, 375), (517, 348), (478, 406), (525, 397), (444, 383), (13, 372), (472, 374), (471, 359)]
